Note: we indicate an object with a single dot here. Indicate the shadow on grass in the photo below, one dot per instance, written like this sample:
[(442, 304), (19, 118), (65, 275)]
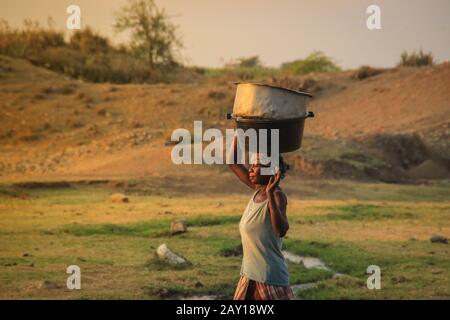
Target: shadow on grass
[(157, 264), (223, 291), (13, 192), (344, 287)]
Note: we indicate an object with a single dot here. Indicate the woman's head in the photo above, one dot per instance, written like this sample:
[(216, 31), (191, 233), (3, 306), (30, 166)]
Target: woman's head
[(255, 175)]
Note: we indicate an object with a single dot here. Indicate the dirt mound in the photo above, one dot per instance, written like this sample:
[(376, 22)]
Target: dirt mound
[(429, 169), (404, 150), (385, 157)]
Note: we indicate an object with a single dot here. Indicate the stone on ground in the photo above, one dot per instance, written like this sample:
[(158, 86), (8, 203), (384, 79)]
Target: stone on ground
[(178, 226), (438, 239), (118, 197), (167, 255)]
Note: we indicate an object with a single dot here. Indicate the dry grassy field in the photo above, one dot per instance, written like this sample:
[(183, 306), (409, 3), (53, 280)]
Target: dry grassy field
[(47, 227)]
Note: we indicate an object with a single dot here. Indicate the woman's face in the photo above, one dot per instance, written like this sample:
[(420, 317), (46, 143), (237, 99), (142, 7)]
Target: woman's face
[(254, 174)]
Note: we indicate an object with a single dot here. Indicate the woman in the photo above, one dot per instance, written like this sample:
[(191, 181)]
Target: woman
[(264, 273)]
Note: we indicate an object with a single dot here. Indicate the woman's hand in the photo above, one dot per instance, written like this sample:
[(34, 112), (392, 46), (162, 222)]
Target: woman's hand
[(273, 183)]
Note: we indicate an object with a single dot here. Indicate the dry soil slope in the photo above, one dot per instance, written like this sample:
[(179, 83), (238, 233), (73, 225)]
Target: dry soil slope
[(401, 100), (52, 125)]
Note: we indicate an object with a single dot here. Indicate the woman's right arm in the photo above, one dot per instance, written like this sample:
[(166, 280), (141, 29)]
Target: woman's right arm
[(239, 169)]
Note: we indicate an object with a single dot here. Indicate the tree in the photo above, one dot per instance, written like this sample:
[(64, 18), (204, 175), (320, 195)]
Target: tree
[(153, 36), (251, 62), (243, 62), (87, 41)]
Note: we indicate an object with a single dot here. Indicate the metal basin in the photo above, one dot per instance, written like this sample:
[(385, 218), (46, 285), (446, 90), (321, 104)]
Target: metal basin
[(263, 106), (290, 130), (257, 100)]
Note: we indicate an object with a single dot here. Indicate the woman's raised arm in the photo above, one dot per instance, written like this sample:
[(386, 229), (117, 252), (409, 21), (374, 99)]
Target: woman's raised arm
[(239, 169)]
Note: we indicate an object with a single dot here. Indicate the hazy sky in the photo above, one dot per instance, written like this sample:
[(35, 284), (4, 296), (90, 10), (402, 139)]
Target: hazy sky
[(215, 31)]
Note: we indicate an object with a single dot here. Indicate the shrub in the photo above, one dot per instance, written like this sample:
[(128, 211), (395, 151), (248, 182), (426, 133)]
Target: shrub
[(251, 62), (87, 56), (366, 72), (30, 39), (238, 73), (315, 62), (416, 59)]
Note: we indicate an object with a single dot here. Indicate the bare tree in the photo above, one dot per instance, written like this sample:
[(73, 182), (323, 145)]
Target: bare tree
[(153, 36)]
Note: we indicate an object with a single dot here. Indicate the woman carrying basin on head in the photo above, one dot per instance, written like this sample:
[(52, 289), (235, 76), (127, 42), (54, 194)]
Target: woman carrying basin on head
[(264, 272)]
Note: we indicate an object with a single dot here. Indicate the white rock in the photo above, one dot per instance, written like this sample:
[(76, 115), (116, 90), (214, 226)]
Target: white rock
[(165, 254)]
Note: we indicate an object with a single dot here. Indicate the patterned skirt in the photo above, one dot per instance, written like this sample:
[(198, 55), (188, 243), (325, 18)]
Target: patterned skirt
[(252, 290)]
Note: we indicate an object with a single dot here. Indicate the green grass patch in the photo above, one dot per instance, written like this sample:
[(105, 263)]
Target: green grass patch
[(141, 229), (362, 212), (12, 192), (343, 288), (299, 274), (153, 228), (229, 247), (204, 221), (341, 257), (13, 261)]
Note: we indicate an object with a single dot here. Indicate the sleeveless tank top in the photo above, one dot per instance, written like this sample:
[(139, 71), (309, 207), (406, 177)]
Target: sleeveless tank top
[(262, 258)]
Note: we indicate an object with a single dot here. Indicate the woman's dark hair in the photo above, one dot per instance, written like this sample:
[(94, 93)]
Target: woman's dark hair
[(284, 166)]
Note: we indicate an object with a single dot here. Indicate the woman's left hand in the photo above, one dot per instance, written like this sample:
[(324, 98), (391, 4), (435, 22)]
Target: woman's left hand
[(273, 183)]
